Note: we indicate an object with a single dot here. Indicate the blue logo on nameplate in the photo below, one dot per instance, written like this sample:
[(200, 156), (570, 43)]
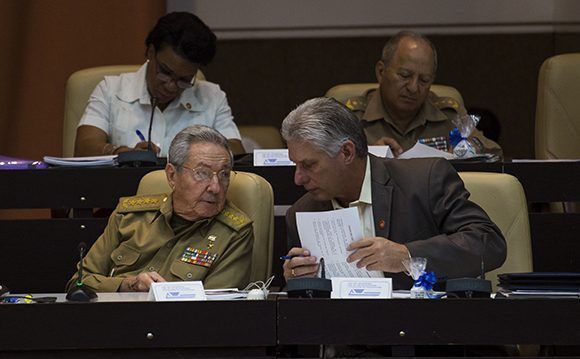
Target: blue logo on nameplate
[(179, 295), (362, 292)]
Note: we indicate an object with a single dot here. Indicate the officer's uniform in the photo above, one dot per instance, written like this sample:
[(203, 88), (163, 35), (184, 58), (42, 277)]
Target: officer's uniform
[(143, 235), (433, 120)]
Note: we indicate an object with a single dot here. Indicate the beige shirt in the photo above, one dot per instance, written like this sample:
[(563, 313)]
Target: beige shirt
[(139, 238), (435, 119), (364, 204)]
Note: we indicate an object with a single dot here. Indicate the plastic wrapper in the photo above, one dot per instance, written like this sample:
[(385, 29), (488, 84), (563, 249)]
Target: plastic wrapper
[(464, 147)]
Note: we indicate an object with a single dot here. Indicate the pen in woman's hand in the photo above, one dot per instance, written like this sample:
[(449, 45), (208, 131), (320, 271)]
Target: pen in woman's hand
[(141, 137)]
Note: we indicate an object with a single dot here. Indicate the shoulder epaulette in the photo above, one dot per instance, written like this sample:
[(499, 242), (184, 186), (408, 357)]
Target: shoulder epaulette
[(445, 102), (141, 203), (233, 217), (357, 103)]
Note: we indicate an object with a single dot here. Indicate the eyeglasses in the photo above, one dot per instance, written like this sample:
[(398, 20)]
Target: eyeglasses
[(166, 76), (205, 175)]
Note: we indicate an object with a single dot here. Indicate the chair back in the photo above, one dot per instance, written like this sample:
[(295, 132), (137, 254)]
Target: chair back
[(266, 137), (503, 199), (557, 133), (79, 87), (250, 193), (343, 92)]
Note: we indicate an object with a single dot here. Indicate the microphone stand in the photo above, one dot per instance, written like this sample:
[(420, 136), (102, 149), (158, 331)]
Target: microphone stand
[(79, 292), (141, 158), (310, 287), (471, 287)]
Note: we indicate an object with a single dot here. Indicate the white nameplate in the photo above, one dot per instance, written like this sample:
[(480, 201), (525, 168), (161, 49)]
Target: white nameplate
[(272, 158), (176, 291), (362, 288)]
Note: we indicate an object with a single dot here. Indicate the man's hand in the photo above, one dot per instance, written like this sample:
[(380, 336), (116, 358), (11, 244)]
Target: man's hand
[(302, 265), (391, 142), (378, 253), (140, 283), (142, 146)]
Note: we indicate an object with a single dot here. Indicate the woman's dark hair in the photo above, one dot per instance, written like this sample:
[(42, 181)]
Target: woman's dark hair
[(187, 35)]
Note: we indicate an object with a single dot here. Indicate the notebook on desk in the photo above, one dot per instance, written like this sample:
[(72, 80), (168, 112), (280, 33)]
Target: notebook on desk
[(549, 281)]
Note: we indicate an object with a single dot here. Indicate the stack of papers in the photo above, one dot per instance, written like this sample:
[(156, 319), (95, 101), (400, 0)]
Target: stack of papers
[(82, 161)]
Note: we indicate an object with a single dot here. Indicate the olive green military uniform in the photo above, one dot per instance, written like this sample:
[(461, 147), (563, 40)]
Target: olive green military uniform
[(433, 120), (143, 235)]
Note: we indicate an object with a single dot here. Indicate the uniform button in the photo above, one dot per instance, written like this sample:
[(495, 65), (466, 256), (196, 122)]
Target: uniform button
[(189, 275), (168, 245), (119, 257), (151, 269)]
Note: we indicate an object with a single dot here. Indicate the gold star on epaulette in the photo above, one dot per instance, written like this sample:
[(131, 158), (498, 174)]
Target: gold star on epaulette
[(446, 102), (141, 203), (356, 103)]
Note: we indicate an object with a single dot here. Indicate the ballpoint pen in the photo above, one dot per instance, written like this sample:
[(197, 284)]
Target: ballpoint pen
[(141, 137), (285, 258)]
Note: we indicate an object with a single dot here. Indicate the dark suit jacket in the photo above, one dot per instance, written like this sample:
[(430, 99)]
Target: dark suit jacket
[(425, 206)]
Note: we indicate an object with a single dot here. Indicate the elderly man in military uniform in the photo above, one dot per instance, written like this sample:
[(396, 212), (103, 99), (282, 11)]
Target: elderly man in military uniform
[(403, 110), (191, 233)]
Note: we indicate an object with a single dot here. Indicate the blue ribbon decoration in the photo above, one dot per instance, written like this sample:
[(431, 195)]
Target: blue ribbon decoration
[(454, 137), (426, 280)]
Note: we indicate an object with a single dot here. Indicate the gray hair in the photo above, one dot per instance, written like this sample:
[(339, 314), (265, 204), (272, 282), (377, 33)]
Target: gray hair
[(393, 44), (326, 124), (179, 149)]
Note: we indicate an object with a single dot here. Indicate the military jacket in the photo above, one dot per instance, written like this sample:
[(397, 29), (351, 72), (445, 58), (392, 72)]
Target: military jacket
[(139, 238), (435, 119)]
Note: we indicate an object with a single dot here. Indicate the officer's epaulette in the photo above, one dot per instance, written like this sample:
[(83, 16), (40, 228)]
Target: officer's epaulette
[(357, 103), (445, 102), (141, 203), (233, 217)]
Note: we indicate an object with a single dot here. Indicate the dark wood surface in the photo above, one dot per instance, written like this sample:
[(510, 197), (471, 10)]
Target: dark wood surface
[(432, 322), (213, 328), (278, 326)]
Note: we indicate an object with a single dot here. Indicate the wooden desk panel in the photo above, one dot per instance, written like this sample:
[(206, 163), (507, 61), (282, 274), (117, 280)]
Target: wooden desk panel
[(428, 322), (214, 328)]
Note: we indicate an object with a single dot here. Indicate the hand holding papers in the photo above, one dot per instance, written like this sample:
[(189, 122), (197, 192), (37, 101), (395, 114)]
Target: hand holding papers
[(327, 235)]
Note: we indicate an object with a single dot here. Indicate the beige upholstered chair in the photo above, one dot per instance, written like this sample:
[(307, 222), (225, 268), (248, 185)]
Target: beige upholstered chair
[(79, 87), (250, 193), (345, 91), (502, 197), (558, 108), (254, 137)]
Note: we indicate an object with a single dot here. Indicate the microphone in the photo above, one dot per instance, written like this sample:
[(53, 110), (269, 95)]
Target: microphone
[(153, 105), (310, 287), (79, 292), (471, 287), (141, 158)]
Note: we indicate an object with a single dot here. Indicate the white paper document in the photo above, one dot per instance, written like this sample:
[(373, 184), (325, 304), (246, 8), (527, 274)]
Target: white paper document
[(381, 151), (327, 235), (420, 150), (81, 161)]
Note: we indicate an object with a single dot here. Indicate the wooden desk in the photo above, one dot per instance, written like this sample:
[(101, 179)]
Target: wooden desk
[(120, 329), (428, 322)]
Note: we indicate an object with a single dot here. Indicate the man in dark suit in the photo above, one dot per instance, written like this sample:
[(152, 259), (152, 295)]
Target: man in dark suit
[(416, 208)]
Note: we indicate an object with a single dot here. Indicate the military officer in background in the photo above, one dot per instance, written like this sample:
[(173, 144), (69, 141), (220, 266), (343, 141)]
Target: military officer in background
[(403, 110), (191, 233)]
